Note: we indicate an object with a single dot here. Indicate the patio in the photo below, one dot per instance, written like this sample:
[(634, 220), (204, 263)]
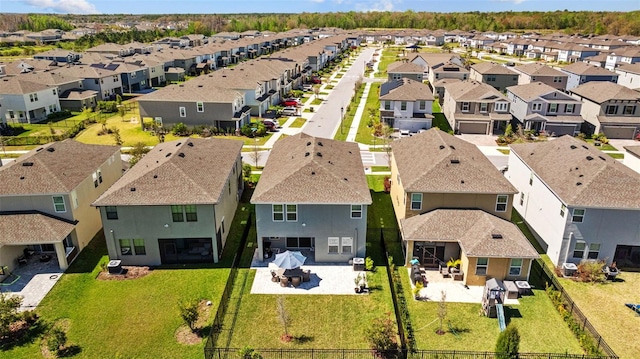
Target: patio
[(455, 291), (35, 280), (329, 278)]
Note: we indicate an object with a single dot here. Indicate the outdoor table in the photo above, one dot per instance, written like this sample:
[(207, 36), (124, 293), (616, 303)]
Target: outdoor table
[(295, 272)]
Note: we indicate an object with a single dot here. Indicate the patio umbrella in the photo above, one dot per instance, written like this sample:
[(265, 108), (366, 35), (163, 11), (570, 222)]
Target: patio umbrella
[(289, 259)]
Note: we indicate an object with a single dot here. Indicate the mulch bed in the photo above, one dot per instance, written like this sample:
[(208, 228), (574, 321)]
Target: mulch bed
[(128, 272)]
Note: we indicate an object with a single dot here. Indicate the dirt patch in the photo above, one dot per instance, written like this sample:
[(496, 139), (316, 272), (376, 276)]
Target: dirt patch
[(128, 272), (184, 335)]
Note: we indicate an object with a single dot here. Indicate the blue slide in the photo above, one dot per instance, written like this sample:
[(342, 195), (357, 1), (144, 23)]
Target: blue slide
[(501, 321)]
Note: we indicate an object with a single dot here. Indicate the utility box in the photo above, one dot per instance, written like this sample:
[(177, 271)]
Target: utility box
[(114, 266), (358, 264)]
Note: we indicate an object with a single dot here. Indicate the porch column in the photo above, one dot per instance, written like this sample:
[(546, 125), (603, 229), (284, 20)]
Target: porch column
[(62, 256)]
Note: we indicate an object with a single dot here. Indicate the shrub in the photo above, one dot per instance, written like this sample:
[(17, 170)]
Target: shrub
[(180, 129), (248, 353), (591, 271), (8, 312), (56, 340), (189, 312), (381, 336), (369, 264), (508, 343), (108, 106)]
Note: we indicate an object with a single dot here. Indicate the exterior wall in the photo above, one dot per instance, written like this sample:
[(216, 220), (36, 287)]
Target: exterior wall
[(439, 75), (548, 80), (501, 81), (37, 202), (41, 107), (518, 108), (449, 108), (107, 86), (399, 75), (632, 161), (431, 201), (540, 208), (397, 193), (170, 112), (577, 80), (628, 79), (319, 222), (497, 268), (590, 112), (225, 210)]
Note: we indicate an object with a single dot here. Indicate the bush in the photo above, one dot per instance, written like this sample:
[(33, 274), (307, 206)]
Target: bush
[(56, 340), (248, 353), (180, 129), (108, 106), (381, 336), (508, 343), (369, 264), (189, 312), (591, 271)]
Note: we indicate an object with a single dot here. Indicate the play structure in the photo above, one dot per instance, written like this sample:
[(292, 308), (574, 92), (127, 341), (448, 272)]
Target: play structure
[(634, 307), (492, 300)]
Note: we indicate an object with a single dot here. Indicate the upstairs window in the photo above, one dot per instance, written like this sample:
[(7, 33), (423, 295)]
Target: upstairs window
[(484, 107), (292, 212), (569, 108), (277, 211), (416, 201), (553, 108), (611, 109), (403, 105), (191, 213), (629, 110), (536, 106), (501, 106), (387, 105), (58, 204), (200, 106), (356, 211), (112, 212), (177, 213), (183, 112), (465, 107), (422, 105), (578, 215), (501, 203)]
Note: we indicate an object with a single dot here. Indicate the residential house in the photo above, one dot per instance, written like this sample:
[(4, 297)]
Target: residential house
[(175, 205), (313, 196), (630, 55), (406, 105), (581, 72), (496, 75), (580, 203), (104, 80), (517, 47), (45, 199), (23, 101), (454, 203), (429, 60), (447, 70), (540, 107), (541, 73), (71, 95), (475, 107), (404, 69), (609, 108), (632, 157), (59, 55), (111, 48), (571, 52), (629, 76)]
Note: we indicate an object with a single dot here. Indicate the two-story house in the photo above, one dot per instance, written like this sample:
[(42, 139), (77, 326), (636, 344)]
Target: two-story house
[(447, 70), (609, 108), (475, 107), (629, 76), (105, 81), (404, 69), (59, 55), (452, 202), (628, 55), (580, 203), (581, 72), (313, 196), (496, 75), (23, 101), (406, 105), (46, 195), (540, 107), (541, 73), (175, 205)]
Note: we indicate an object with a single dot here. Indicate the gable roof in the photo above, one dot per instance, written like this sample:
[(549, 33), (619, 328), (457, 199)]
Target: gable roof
[(475, 230), (603, 91), (581, 175), (56, 167), (186, 171), (630, 68), (437, 162), (307, 169), (473, 91), (583, 68), (404, 67), (534, 90), (19, 86), (405, 90), (536, 69), (492, 68), (33, 227)]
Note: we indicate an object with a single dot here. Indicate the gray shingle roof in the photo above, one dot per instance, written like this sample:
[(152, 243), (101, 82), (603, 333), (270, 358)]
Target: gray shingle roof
[(32, 228), (20, 86), (531, 91), (405, 90), (426, 163), (199, 89), (474, 230), (59, 171), (635, 150), (603, 91), (186, 171), (306, 169), (581, 175)]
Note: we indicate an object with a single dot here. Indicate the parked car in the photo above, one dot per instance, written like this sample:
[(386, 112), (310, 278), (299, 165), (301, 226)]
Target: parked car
[(271, 125), (307, 87), (316, 80), (290, 111), (297, 100), (290, 103)]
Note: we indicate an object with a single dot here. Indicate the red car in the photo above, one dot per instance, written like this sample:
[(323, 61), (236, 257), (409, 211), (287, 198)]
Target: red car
[(290, 103), (316, 80)]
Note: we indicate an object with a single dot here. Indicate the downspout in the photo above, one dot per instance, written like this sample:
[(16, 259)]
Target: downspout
[(115, 246), (357, 241), (566, 251), (529, 271)]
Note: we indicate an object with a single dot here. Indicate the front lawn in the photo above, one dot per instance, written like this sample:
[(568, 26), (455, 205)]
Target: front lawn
[(365, 133), (602, 146), (298, 122)]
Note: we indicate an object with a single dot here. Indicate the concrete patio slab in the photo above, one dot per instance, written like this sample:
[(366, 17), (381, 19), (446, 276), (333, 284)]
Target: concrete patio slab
[(36, 280)]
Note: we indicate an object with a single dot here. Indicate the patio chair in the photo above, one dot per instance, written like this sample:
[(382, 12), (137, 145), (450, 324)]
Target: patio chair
[(284, 282), (274, 276), (306, 275), (22, 260), (295, 281)]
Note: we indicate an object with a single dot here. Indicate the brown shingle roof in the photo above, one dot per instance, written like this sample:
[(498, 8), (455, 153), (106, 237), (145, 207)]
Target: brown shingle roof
[(603, 91), (474, 230), (405, 90), (404, 67), (581, 175), (531, 91), (57, 167), (306, 169), (634, 150), (186, 171), (473, 91), (19, 86), (32, 228), (583, 68), (491, 68), (539, 70), (426, 163)]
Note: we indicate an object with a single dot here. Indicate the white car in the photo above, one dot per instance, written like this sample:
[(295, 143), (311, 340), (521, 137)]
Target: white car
[(289, 111)]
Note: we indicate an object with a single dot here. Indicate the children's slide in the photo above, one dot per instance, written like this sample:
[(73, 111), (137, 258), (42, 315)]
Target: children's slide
[(501, 322)]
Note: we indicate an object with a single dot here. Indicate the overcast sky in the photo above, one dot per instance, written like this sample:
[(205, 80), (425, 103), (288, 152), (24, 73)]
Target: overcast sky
[(298, 6)]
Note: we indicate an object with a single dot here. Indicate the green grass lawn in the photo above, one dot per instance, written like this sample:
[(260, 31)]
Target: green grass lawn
[(504, 151), (343, 131), (376, 182), (365, 133), (299, 122), (380, 169), (617, 156), (603, 146), (440, 121), (316, 101)]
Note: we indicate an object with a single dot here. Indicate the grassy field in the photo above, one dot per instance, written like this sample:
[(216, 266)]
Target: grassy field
[(298, 122), (617, 156), (343, 131), (603, 146), (365, 133)]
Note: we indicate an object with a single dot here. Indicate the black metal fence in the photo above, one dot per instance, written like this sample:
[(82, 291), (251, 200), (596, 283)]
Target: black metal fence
[(549, 278)]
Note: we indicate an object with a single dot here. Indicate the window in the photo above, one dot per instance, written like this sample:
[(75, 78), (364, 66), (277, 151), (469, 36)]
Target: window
[(403, 105), (536, 106), (578, 250), (501, 203), (491, 78), (112, 212), (191, 213), (54, 91), (334, 244), (611, 110), (183, 112), (501, 106), (58, 204), (481, 266), (422, 105), (521, 198), (594, 251), (200, 106), (125, 247), (356, 211), (278, 212), (416, 201), (465, 106), (531, 179), (177, 212), (557, 79), (569, 108), (292, 212), (31, 97), (139, 247), (553, 108), (629, 110), (563, 210), (94, 175), (484, 106), (578, 215), (347, 244), (515, 267), (387, 105)]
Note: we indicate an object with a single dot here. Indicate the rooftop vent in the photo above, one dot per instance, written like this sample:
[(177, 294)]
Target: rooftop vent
[(155, 176), (578, 183), (181, 155), (589, 158), (346, 179), (462, 181), (313, 172), (585, 147), (496, 236), (319, 154), (200, 86), (602, 158), (133, 189), (306, 154), (573, 147), (581, 175), (455, 160), (451, 147), (27, 164), (309, 143), (320, 144), (442, 147), (178, 144), (190, 144), (168, 154), (39, 149), (21, 177)]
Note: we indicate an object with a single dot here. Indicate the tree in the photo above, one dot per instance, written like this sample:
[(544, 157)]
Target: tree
[(180, 129), (115, 132), (442, 310), (246, 171), (316, 90), (8, 312), (508, 343), (56, 340), (283, 317), (137, 152), (122, 112), (255, 154), (382, 336), (189, 312)]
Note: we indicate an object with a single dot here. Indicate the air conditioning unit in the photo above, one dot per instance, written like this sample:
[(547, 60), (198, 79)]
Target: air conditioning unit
[(114, 266), (569, 269)]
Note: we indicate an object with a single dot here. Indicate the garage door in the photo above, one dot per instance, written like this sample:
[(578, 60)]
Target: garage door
[(619, 132), (473, 128), (560, 130)]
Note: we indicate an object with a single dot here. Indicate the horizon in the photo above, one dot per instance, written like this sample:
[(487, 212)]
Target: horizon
[(197, 7)]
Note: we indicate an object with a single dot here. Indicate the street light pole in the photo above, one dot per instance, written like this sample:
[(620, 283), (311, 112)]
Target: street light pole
[(341, 118)]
